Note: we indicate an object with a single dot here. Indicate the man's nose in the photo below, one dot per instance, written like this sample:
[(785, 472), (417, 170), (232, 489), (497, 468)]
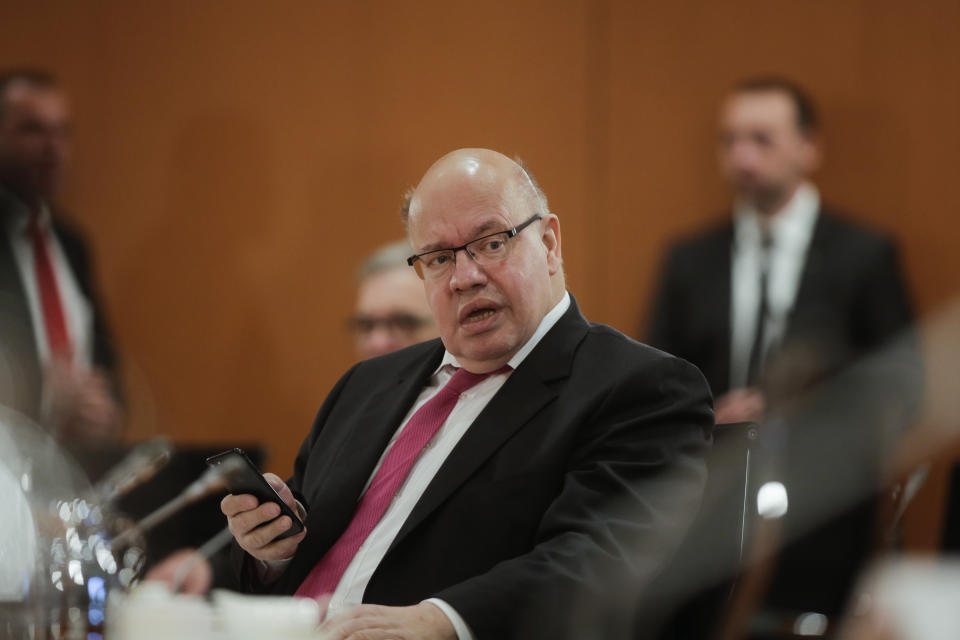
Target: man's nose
[(742, 155), (55, 146), (466, 272)]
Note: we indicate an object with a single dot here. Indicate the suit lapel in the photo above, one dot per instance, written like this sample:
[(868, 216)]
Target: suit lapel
[(19, 349), (348, 470), (11, 283), (525, 393), (814, 270), (721, 272), (346, 473)]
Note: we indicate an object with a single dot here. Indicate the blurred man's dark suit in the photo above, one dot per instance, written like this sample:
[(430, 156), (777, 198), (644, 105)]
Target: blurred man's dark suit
[(20, 369), (574, 484), (851, 301)]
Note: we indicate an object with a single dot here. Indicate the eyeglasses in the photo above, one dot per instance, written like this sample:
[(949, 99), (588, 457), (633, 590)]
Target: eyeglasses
[(484, 250), (395, 323)]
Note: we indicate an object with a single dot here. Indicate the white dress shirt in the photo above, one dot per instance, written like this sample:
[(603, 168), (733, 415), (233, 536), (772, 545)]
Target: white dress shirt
[(790, 230), (76, 308), (353, 583)]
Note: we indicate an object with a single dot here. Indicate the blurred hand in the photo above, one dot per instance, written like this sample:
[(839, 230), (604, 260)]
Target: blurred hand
[(740, 405), (424, 621), (199, 573), (246, 518), (80, 403), (870, 626)]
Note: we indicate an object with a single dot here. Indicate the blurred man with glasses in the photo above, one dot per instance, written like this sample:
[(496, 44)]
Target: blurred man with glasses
[(521, 477), (391, 311)]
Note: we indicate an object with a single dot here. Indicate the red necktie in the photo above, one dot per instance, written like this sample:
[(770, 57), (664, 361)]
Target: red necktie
[(325, 576), (54, 318)]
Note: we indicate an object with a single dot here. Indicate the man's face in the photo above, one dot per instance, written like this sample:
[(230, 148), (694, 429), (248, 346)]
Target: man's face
[(392, 313), (763, 153), (34, 136), (484, 313)]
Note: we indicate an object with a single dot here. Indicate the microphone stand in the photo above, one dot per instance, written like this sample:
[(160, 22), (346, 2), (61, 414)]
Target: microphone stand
[(204, 552), (213, 480)]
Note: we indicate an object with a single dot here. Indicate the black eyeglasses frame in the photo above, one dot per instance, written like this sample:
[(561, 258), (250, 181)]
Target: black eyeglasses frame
[(411, 261)]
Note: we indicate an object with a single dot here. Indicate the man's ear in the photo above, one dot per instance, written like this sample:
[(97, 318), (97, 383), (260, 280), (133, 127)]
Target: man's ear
[(812, 153), (550, 236)]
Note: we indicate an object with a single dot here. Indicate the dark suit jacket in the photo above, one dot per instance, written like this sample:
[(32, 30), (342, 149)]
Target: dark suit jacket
[(576, 481), (851, 300), (20, 371)]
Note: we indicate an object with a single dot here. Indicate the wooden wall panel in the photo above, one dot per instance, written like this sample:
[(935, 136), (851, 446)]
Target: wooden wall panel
[(885, 77), (235, 160)]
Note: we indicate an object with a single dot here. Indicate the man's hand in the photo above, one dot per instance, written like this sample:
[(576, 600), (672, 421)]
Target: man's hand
[(246, 518), (197, 574), (80, 404), (740, 405), (424, 621)]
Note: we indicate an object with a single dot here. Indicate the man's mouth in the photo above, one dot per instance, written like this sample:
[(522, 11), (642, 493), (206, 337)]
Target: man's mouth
[(478, 315)]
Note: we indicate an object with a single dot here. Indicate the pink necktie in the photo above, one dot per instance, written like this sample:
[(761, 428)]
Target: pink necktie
[(325, 576)]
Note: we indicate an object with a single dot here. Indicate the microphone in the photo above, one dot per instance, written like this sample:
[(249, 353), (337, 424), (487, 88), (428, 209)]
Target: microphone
[(137, 467), (213, 480)]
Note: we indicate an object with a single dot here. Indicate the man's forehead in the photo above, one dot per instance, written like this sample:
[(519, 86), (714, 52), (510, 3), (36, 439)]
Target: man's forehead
[(465, 194), (386, 285), (458, 196), (441, 232), (29, 97), (772, 108)]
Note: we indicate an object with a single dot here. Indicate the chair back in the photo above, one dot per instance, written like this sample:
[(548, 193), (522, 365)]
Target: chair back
[(697, 584)]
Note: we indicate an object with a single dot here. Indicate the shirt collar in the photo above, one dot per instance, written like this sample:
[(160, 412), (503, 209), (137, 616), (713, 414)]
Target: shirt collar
[(545, 325), (18, 214), (790, 227)]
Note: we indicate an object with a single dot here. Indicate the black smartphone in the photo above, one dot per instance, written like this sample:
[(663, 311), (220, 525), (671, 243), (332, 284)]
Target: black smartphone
[(251, 481)]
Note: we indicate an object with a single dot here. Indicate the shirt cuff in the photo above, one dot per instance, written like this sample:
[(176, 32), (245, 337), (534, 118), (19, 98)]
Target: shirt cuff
[(269, 570), (459, 624)]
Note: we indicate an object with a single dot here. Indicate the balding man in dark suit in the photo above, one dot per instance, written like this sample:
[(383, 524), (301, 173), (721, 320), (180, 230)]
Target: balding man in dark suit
[(525, 467)]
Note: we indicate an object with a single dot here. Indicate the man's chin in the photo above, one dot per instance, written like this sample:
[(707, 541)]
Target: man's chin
[(748, 193), (759, 196), (493, 354), (38, 188)]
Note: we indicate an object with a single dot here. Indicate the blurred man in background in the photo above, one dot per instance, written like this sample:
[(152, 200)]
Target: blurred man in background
[(392, 310), (56, 359), (787, 291), (771, 304)]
